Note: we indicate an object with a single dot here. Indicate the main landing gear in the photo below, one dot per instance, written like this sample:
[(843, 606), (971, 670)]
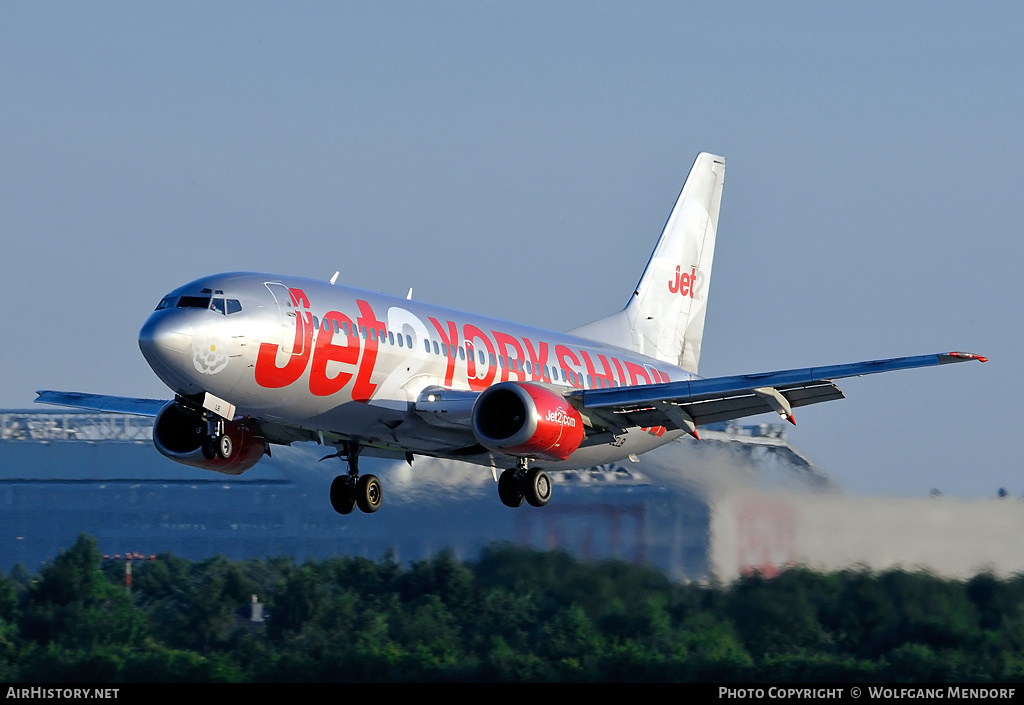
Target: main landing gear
[(352, 490), (217, 443), (519, 483)]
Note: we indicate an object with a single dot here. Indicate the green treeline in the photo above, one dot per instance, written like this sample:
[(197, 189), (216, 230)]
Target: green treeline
[(513, 615)]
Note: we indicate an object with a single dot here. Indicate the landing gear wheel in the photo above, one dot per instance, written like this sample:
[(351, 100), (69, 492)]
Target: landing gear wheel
[(209, 448), (537, 487), (343, 496), (224, 447), (508, 489), (369, 494)]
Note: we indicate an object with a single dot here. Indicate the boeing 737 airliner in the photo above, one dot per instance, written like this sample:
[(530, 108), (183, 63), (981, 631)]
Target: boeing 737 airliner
[(258, 359)]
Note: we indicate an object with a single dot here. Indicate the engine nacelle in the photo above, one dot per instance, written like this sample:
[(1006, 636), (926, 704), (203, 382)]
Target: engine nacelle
[(179, 434), (519, 418)]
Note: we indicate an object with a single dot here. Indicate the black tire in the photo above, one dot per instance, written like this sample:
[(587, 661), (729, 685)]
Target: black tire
[(537, 487), (509, 492), (225, 447), (343, 496), (369, 494), (209, 448)]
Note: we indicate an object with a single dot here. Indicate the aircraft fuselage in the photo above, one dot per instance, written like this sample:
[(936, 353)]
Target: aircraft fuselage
[(354, 364)]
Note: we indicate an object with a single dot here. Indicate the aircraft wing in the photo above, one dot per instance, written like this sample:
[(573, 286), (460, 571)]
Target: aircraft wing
[(103, 402), (273, 432), (686, 405)]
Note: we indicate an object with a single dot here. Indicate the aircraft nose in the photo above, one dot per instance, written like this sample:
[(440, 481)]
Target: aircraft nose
[(166, 338)]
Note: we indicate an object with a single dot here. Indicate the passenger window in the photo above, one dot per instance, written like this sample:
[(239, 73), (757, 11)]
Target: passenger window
[(436, 351), (408, 341), (501, 361), (362, 332), (491, 358), (462, 353), (400, 341), (444, 349), (426, 345), (373, 334), (391, 338), (316, 323), (481, 356)]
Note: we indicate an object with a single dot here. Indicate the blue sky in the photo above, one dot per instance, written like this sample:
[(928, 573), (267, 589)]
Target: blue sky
[(519, 160)]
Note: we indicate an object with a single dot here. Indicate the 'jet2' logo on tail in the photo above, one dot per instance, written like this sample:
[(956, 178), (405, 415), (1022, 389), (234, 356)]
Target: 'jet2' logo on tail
[(683, 284)]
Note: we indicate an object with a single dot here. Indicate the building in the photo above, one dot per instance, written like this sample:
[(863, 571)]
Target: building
[(740, 499)]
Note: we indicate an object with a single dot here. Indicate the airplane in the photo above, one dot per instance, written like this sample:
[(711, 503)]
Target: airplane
[(261, 359)]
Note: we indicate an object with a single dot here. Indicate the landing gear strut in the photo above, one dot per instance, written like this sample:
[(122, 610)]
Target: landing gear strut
[(352, 490), (217, 443), (519, 483)]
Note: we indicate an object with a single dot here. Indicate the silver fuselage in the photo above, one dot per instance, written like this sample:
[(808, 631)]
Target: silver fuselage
[(346, 364)]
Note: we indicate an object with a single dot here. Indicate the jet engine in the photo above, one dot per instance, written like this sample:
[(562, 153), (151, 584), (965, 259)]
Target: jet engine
[(179, 433), (519, 418)]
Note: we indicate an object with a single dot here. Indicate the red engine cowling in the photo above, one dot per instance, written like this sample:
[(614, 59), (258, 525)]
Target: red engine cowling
[(179, 434), (519, 418)]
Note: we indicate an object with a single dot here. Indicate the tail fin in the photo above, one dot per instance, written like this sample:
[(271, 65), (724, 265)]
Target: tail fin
[(665, 315)]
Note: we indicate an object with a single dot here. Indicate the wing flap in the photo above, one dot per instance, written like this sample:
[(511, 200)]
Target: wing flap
[(709, 411), (726, 398)]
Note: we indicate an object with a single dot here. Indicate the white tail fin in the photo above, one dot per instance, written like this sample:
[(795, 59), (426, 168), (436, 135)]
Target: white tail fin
[(665, 316)]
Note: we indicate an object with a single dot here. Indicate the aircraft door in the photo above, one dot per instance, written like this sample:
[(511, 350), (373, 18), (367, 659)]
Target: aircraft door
[(291, 337)]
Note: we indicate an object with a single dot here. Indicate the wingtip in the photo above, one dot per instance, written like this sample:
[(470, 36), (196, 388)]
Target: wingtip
[(968, 356)]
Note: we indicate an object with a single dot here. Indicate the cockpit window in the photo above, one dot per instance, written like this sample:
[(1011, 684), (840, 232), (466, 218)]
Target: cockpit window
[(215, 303), (166, 302), (194, 302)]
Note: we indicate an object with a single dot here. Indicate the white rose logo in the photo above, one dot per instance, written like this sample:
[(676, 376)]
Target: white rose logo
[(208, 356)]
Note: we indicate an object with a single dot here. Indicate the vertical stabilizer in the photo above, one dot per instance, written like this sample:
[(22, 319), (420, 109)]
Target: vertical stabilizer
[(665, 315)]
